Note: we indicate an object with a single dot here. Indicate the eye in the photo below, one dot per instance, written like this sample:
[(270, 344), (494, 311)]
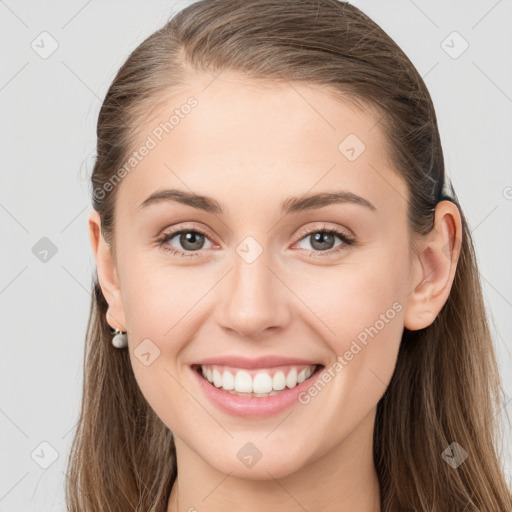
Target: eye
[(192, 240), (324, 239)]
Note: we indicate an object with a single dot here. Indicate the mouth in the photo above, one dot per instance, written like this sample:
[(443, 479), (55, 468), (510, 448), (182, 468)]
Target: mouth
[(256, 382)]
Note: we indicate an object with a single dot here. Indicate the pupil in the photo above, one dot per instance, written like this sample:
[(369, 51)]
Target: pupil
[(191, 238), (320, 236)]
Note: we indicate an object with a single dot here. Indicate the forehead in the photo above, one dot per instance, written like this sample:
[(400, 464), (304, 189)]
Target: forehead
[(245, 139)]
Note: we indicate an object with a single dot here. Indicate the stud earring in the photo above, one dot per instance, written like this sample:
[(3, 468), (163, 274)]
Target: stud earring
[(119, 340)]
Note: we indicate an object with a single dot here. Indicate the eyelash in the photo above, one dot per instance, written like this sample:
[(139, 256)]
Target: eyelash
[(347, 240)]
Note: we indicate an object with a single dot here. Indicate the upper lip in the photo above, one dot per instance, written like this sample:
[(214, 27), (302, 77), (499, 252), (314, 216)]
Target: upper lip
[(258, 362)]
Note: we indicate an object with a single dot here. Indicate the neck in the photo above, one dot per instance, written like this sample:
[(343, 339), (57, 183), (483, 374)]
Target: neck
[(341, 480)]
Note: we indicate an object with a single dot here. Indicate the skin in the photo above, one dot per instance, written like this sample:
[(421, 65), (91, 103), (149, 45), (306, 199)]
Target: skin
[(250, 147)]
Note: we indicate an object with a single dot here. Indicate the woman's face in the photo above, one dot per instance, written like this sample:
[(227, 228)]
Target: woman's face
[(251, 283)]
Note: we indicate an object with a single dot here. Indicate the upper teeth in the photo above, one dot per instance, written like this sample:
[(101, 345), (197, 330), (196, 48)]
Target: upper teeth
[(262, 381)]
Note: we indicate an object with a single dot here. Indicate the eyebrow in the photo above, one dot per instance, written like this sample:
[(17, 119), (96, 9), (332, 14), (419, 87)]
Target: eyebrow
[(290, 205)]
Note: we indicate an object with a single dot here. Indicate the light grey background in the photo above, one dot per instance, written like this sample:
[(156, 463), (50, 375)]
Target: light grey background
[(49, 109)]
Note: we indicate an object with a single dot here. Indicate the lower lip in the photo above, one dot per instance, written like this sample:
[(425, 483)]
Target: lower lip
[(253, 407)]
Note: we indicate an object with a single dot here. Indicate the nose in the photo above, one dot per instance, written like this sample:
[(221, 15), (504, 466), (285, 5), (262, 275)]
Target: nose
[(253, 302)]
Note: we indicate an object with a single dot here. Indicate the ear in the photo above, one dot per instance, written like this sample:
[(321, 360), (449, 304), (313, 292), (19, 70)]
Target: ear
[(107, 274), (434, 267)]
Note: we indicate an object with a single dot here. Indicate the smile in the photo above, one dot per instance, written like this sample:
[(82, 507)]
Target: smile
[(256, 383), (254, 392)]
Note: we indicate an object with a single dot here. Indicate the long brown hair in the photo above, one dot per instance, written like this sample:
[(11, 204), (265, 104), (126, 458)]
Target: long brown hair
[(446, 385)]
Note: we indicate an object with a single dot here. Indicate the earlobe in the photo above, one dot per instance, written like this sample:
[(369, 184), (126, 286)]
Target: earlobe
[(434, 267), (107, 273)]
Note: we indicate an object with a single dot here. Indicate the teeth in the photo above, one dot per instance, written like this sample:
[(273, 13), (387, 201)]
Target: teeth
[(243, 382), (291, 379), (217, 379), (279, 381), (228, 381), (262, 383)]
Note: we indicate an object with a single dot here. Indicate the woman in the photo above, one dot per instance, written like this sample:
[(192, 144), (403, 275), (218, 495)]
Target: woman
[(298, 317)]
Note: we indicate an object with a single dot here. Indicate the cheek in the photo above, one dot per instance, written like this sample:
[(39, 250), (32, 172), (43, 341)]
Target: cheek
[(157, 300), (359, 309), (156, 307), (362, 326), (157, 296)]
